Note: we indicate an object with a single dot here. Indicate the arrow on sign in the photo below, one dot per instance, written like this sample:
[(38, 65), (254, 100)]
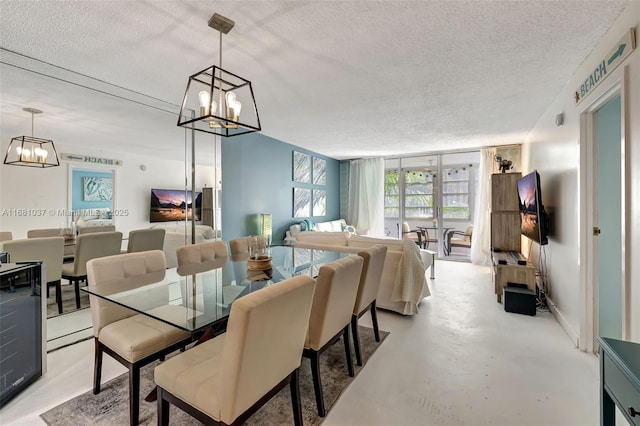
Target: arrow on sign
[(73, 157), (616, 54)]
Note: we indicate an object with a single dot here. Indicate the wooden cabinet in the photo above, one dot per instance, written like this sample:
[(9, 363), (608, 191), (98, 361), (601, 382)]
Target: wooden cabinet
[(505, 235), (511, 272), (505, 214), (207, 206)]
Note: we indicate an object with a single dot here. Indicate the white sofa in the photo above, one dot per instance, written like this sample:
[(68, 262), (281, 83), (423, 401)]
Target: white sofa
[(339, 225), (177, 236), (403, 284), (85, 218)]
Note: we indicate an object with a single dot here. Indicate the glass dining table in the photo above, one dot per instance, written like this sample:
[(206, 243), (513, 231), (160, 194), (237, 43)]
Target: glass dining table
[(195, 299)]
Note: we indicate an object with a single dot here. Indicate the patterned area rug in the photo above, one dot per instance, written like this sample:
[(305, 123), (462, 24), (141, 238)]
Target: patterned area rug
[(68, 300), (110, 406)]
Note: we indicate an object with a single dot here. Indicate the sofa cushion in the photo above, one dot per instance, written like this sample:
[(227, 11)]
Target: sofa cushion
[(364, 241), (326, 238)]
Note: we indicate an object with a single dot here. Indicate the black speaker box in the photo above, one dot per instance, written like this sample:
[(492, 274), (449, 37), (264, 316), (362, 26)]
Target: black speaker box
[(519, 300)]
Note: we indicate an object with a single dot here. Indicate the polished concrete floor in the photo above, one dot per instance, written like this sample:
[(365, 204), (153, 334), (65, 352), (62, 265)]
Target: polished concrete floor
[(462, 360)]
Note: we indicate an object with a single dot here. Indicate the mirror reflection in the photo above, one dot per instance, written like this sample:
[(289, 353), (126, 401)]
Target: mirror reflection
[(114, 145)]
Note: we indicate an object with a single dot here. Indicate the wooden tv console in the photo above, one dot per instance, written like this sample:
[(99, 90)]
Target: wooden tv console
[(511, 271)]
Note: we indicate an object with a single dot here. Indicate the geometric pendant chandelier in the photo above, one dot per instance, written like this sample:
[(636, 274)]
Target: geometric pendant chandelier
[(30, 151), (218, 101)]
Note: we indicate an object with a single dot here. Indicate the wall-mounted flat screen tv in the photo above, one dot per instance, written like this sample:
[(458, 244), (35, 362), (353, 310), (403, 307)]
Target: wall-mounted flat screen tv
[(533, 218), (171, 205)]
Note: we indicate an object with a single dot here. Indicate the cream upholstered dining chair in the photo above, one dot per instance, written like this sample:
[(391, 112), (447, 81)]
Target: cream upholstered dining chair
[(240, 246), (6, 236), (227, 379), (90, 246), (145, 239), (333, 302), (50, 250), (55, 232), (372, 266), (94, 229), (194, 258), (134, 340), (48, 232)]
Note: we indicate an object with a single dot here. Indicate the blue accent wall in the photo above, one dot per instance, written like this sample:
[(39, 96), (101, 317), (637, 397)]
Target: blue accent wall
[(77, 192), (257, 177)]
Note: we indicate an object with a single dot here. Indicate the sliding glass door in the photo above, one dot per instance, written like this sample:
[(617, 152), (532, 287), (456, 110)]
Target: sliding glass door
[(431, 195)]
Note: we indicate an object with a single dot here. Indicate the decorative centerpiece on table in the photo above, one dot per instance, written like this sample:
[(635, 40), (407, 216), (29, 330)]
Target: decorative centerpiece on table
[(259, 262)]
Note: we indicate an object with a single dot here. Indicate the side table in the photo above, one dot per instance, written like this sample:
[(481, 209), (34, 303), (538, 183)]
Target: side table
[(619, 380)]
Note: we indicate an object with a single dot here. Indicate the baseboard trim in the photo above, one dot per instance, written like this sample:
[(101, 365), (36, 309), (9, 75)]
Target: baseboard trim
[(563, 322)]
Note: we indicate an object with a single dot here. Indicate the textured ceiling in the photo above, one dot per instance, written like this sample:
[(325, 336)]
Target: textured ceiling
[(346, 79)]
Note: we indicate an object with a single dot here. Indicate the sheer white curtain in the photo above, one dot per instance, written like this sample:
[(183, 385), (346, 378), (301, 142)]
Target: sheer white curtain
[(481, 241), (366, 196)]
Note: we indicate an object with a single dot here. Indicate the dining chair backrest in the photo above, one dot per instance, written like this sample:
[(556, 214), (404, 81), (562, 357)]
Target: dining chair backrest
[(240, 246), (6, 236), (202, 254), (48, 232), (263, 343), (333, 300), (50, 250), (94, 229), (118, 273), (145, 239), (91, 246), (373, 263)]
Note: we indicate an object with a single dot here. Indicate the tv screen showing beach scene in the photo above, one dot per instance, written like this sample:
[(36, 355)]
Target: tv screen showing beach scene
[(169, 205), (528, 200)]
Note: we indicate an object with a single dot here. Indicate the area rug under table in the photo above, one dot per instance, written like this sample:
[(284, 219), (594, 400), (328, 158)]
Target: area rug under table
[(111, 405)]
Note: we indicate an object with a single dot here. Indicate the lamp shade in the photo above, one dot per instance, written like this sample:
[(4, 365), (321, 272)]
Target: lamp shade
[(222, 103), (265, 227), (31, 152)]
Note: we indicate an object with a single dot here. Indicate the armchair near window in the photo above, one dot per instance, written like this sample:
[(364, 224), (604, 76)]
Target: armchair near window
[(459, 239), (411, 234)]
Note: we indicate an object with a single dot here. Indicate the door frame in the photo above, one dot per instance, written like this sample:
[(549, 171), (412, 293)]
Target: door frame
[(588, 173)]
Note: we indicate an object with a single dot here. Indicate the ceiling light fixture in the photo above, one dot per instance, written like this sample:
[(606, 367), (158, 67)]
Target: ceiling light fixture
[(214, 97), (31, 151)]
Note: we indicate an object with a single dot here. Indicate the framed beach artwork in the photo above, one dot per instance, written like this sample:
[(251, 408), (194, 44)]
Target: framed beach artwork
[(301, 167), (97, 188), (301, 202)]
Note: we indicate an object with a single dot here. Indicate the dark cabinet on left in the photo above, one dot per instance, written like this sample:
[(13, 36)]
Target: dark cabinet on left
[(22, 328)]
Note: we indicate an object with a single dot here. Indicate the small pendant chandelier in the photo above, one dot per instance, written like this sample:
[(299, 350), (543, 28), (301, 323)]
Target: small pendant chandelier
[(30, 151), (215, 97)]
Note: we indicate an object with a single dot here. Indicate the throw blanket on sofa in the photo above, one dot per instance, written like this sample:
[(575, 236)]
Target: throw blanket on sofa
[(410, 279)]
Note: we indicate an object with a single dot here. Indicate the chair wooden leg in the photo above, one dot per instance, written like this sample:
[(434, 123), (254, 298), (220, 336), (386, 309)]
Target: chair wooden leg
[(163, 408), (58, 296), (356, 338), (294, 385), (134, 394), (76, 285), (374, 320), (317, 383), (347, 350), (97, 368)]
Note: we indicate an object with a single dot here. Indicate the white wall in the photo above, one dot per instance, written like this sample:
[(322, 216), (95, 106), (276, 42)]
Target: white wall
[(46, 190), (554, 152)]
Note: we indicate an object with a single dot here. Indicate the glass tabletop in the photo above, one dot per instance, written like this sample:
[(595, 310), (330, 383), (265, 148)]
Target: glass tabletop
[(196, 299)]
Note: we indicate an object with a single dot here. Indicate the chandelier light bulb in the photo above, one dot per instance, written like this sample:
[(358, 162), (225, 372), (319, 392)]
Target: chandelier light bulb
[(204, 102), (233, 106)]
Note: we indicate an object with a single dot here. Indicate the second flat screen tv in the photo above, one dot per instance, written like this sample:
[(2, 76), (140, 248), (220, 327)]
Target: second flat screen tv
[(169, 205)]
